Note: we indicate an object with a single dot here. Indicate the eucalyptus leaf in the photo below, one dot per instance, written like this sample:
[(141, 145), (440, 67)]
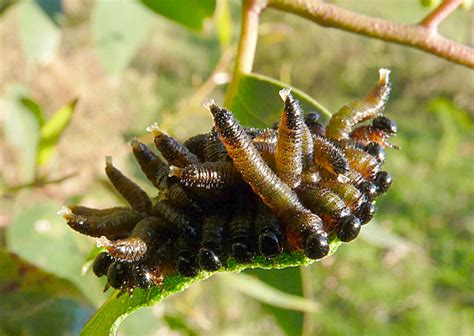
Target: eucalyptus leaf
[(22, 129), (257, 102), (108, 317), (51, 132), (119, 28), (40, 33), (33, 302), (189, 13)]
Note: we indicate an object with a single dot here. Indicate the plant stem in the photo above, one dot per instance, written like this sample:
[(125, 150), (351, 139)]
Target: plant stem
[(247, 45), (434, 19), (414, 35)]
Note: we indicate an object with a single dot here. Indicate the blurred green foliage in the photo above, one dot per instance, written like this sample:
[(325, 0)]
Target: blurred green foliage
[(411, 270)]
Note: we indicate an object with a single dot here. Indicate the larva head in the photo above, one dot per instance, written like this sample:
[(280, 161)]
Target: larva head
[(368, 189), (242, 253), (187, 267), (385, 124), (365, 212), (269, 245), (208, 260), (144, 276), (101, 264), (349, 228), (316, 246), (119, 274), (383, 180), (377, 151)]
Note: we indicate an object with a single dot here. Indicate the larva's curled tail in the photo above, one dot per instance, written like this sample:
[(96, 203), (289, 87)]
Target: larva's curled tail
[(341, 123)]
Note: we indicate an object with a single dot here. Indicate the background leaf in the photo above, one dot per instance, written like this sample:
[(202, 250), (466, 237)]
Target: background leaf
[(289, 281), (51, 132), (189, 13), (22, 128), (40, 236), (33, 302), (257, 101), (40, 33), (119, 36)]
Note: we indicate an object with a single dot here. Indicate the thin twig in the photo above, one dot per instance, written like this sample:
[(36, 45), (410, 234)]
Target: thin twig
[(414, 35), (439, 14), (38, 183), (247, 45)]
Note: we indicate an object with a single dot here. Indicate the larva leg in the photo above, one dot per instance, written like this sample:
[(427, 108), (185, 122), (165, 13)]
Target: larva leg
[(208, 175), (211, 254), (341, 123), (367, 134), (109, 225), (133, 194), (329, 156), (172, 150), (289, 148), (300, 223)]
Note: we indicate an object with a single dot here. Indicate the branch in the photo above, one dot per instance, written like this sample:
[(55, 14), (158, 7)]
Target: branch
[(247, 44), (418, 36), (434, 19)]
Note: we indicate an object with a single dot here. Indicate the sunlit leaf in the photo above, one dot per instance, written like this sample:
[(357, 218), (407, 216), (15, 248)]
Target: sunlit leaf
[(34, 302), (257, 102), (22, 129), (39, 32), (119, 28), (223, 22), (115, 310), (189, 13), (51, 131), (34, 108)]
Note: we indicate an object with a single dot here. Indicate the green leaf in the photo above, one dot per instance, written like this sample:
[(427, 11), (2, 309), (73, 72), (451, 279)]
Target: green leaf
[(257, 101), (189, 13), (108, 317), (34, 108), (34, 302), (39, 32), (289, 281), (21, 128), (118, 36), (223, 22), (52, 130), (40, 236), (262, 291)]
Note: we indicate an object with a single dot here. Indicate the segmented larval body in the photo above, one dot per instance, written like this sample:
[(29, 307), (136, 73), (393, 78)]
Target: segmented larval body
[(242, 193)]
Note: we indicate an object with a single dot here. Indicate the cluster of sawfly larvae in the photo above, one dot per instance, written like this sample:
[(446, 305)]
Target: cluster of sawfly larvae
[(240, 192)]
